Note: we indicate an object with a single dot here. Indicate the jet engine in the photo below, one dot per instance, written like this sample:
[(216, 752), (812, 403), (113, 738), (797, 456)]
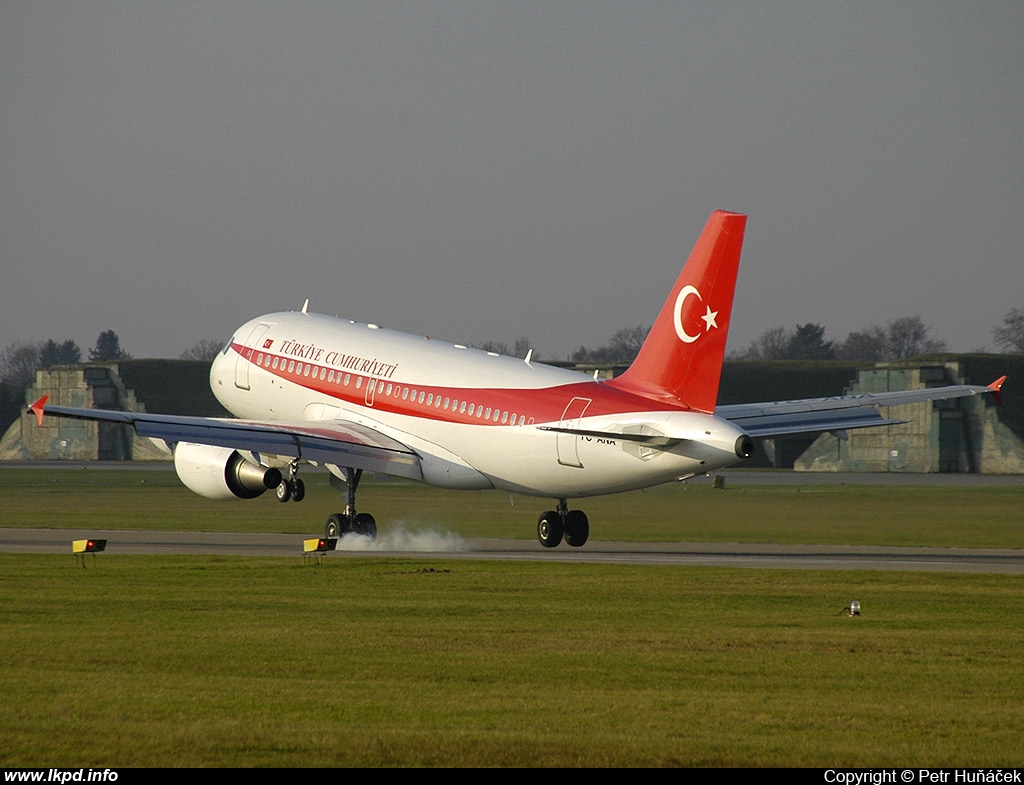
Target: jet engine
[(744, 446), (221, 473)]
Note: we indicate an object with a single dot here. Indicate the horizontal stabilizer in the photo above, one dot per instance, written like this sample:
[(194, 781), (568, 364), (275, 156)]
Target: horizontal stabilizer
[(759, 424), (819, 415)]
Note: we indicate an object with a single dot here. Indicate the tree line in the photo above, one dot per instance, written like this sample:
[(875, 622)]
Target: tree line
[(900, 339), (20, 360)]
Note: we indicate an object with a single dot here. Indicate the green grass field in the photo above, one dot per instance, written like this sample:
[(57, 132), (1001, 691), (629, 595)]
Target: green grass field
[(988, 517), (384, 661)]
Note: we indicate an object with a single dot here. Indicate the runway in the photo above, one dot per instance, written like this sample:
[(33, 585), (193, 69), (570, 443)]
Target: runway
[(799, 557), (441, 546)]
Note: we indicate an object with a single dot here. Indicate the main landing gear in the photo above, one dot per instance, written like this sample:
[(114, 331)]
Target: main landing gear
[(291, 487), (553, 525), (341, 523)]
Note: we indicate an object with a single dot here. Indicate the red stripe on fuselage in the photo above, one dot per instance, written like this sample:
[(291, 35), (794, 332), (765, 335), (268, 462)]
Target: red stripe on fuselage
[(489, 405)]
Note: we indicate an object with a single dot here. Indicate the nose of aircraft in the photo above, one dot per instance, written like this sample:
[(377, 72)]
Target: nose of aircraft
[(220, 366)]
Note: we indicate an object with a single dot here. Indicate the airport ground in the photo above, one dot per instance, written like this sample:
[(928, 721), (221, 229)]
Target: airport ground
[(680, 649), (835, 521)]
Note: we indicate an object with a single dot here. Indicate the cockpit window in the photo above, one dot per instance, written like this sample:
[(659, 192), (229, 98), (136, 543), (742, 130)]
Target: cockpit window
[(227, 346)]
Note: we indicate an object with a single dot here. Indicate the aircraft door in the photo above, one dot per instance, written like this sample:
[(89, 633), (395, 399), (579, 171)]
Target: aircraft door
[(244, 359), (567, 444), (371, 390)]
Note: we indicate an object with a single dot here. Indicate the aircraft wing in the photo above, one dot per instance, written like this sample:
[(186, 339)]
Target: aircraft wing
[(816, 415), (332, 441)]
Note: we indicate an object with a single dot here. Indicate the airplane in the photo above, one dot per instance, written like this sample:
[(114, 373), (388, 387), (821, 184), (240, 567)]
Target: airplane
[(312, 389)]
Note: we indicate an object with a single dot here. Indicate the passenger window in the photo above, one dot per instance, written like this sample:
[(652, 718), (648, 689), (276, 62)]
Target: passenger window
[(422, 396)]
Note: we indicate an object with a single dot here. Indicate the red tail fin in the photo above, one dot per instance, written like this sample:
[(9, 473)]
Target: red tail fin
[(681, 360)]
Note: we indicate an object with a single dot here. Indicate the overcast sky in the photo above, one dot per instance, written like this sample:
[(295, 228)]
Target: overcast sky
[(488, 170)]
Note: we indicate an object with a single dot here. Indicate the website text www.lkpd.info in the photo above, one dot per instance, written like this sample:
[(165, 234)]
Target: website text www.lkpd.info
[(61, 776)]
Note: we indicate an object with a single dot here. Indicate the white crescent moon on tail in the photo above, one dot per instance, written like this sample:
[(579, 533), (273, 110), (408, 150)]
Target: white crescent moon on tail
[(685, 292)]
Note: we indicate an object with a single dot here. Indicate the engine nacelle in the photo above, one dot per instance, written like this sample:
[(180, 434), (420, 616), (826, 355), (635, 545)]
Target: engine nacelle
[(221, 473)]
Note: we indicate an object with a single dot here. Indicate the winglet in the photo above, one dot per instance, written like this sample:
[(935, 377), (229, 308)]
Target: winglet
[(996, 389), (38, 407)]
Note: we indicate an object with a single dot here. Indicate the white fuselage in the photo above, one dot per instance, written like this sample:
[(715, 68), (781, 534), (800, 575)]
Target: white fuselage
[(476, 419)]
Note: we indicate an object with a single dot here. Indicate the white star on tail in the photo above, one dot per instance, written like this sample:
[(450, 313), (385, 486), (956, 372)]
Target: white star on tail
[(709, 319)]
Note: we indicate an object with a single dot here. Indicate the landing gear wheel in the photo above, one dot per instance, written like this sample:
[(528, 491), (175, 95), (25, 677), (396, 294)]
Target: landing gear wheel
[(283, 491), (577, 528), (549, 529), (365, 525), (337, 526), (298, 490)]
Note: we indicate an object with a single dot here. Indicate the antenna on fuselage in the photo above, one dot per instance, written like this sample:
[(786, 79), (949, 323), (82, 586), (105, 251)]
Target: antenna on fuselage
[(529, 356), (305, 305)]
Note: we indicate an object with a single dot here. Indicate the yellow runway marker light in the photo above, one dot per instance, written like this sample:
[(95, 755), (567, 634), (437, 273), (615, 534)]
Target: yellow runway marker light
[(82, 547), (317, 547)]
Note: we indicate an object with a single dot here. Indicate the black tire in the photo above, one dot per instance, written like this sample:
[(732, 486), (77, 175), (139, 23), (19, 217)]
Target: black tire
[(337, 526), (577, 528), (298, 490), (549, 529), (283, 491), (365, 525)]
